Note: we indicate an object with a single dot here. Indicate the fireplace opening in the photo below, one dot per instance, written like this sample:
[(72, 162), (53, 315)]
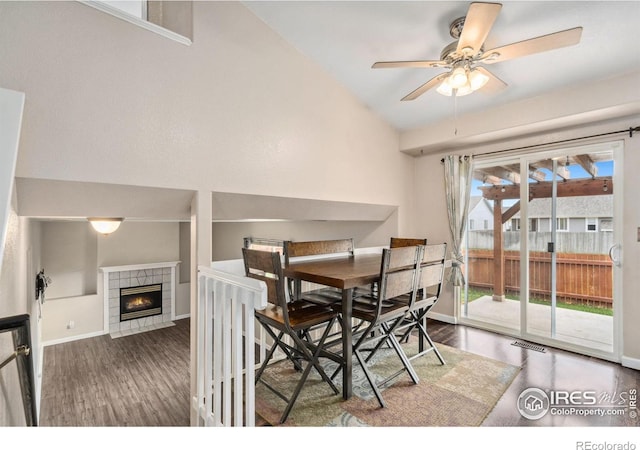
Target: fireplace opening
[(140, 301)]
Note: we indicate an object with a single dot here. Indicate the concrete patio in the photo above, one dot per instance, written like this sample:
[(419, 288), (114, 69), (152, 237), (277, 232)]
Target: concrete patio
[(576, 327)]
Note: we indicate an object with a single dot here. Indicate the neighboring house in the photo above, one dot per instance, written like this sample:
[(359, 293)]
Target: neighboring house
[(573, 214), (480, 214), (592, 214)]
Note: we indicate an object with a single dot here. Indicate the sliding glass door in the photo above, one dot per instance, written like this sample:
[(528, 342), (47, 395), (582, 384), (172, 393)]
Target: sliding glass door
[(541, 248), (492, 248)]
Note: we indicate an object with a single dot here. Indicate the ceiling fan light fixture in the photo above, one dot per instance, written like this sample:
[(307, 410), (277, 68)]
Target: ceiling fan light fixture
[(458, 77), (468, 50), (477, 79), (464, 90), (445, 88), (474, 80), (105, 225)]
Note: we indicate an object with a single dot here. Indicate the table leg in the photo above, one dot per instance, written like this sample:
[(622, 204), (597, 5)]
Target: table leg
[(347, 345), (297, 288)]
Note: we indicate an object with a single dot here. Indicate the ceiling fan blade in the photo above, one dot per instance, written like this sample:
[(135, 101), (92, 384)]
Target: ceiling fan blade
[(393, 64), (425, 87), (494, 84), (477, 24), (536, 45)]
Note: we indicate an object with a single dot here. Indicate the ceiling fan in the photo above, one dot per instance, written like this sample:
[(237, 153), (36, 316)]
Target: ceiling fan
[(465, 56)]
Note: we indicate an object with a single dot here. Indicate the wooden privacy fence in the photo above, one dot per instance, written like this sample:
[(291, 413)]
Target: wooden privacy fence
[(581, 278)]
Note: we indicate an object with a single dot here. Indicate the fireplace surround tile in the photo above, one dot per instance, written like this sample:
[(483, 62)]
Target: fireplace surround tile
[(116, 277)]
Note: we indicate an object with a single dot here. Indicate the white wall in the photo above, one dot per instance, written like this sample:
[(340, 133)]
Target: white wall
[(17, 296), (69, 258), (12, 302), (17, 263), (11, 106), (228, 236), (139, 243), (231, 113), (111, 103)]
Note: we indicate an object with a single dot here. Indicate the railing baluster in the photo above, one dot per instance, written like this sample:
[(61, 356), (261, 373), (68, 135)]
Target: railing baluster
[(249, 331), (223, 339)]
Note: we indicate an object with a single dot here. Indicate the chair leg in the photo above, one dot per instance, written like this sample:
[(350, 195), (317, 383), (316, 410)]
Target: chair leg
[(357, 345), (403, 357), (386, 330), (316, 362), (367, 374), (295, 394), (312, 362), (267, 358), (408, 327), (277, 343), (424, 333)]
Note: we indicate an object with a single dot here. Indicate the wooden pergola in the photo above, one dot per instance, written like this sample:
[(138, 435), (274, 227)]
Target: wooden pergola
[(503, 183)]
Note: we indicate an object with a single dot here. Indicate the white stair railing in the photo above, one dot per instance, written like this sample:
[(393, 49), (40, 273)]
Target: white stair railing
[(226, 356)]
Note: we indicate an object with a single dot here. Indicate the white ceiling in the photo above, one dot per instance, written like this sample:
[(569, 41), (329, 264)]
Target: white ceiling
[(346, 37)]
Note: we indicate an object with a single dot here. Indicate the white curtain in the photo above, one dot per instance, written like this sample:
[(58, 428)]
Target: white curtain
[(457, 183)]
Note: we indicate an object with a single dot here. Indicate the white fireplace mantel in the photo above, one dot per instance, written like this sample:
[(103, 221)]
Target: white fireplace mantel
[(133, 267), (159, 265)]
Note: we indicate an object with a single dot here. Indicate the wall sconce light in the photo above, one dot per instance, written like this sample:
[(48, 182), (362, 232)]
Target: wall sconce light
[(605, 188), (105, 225)]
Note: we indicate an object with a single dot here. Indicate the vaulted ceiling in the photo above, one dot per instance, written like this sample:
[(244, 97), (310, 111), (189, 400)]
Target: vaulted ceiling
[(346, 37)]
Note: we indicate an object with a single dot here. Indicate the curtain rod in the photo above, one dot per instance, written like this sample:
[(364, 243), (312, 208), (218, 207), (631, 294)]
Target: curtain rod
[(630, 130)]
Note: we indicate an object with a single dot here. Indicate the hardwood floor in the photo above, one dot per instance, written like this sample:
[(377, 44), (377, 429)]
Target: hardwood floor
[(143, 379), (138, 380), (553, 370)]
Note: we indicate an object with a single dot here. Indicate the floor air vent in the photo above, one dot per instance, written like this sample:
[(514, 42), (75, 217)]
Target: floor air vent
[(537, 348)]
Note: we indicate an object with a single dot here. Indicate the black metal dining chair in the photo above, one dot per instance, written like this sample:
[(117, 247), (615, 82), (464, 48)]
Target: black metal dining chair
[(383, 314), (289, 322), (296, 251), (394, 242), (428, 291)]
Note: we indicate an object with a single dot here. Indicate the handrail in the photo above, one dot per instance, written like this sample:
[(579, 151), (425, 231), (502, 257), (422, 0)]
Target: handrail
[(225, 350), (19, 326)]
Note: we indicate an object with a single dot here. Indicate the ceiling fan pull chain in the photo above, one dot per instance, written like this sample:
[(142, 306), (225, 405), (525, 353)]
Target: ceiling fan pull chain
[(455, 112)]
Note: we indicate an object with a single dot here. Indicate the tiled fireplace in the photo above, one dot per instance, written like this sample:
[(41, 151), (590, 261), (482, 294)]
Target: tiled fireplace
[(139, 297)]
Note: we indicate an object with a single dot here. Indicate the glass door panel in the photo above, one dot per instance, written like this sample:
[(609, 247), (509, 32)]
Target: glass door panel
[(493, 249), (570, 272)]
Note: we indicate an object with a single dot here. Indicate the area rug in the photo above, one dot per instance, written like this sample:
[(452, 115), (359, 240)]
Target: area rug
[(460, 393)]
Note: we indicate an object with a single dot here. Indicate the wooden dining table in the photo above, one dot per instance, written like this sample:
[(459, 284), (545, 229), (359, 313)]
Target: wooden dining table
[(345, 273)]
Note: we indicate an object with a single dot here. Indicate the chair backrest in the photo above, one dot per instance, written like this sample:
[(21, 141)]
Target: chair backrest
[(396, 242), (265, 244), (432, 270), (399, 269), (335, 247), (267, 267)]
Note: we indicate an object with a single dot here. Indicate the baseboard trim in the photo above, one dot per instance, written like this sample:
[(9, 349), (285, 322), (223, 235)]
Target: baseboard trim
[(73, 338), (632, 363), (183, 316), (442, 318)]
